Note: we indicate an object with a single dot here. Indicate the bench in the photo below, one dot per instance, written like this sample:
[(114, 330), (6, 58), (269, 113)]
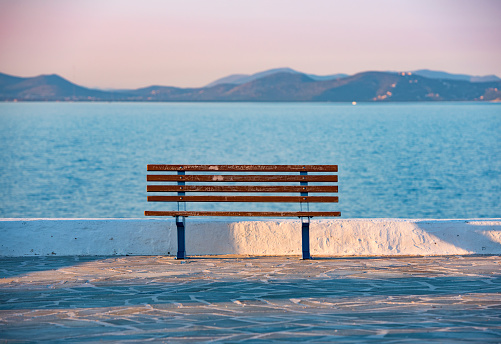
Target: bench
[(243, 183)]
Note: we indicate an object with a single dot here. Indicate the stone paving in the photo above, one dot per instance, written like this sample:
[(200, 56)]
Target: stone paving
[(249, 299)]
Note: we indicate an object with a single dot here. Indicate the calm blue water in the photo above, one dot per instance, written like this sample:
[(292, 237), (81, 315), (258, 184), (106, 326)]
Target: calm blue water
[(396, 160)]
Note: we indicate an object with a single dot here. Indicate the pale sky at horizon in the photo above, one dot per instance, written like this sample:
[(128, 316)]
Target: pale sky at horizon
[(189, 43)]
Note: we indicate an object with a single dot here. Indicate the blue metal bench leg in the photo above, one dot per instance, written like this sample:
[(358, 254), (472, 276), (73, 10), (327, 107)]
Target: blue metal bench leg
[(305, 237), (181, 248)]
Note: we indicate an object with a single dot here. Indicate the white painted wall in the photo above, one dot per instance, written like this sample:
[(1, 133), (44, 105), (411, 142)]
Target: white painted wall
[(352, 237)]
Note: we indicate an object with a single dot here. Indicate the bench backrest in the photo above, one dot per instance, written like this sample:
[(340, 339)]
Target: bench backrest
[(243, 183)]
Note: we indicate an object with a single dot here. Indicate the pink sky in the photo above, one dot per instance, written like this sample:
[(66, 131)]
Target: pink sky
[(130, 44)]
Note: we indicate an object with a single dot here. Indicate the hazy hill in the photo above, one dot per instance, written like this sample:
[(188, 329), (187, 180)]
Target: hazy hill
[(283, 85), (238, 79), (46, 87), (443, 75), (367, 86), (381, 86)]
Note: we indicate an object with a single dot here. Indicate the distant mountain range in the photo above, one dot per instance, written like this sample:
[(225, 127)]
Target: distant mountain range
[(283, 84), (239, 79)]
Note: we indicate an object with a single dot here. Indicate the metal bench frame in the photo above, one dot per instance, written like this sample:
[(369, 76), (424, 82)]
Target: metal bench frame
[(265, 174)]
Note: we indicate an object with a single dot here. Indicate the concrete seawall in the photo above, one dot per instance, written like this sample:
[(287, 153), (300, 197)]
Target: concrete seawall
[(350, 237)]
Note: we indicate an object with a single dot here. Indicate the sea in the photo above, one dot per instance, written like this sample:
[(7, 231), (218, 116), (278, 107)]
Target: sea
[(396, 160)]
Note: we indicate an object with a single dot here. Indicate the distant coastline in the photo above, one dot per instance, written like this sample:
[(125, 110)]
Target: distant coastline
[(276, 85)]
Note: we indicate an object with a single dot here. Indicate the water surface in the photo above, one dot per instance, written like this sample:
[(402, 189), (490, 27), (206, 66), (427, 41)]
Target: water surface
[(412, 160)]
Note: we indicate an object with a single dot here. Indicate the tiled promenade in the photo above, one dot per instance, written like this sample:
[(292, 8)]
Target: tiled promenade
[(240, 299)]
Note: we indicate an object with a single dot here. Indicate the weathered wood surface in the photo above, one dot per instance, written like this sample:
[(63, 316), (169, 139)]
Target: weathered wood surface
[(212, 183), (257, 199), (245, 168), (242, 188), (246, 213), (241, 178)]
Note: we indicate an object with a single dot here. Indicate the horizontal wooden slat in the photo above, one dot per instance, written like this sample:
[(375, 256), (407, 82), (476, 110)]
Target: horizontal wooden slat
[(242, 188), (245, 168), (246, 213), (241, 178), (273, 199)]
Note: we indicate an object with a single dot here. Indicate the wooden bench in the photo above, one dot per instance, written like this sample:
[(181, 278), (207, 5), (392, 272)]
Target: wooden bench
[(267, 183)]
